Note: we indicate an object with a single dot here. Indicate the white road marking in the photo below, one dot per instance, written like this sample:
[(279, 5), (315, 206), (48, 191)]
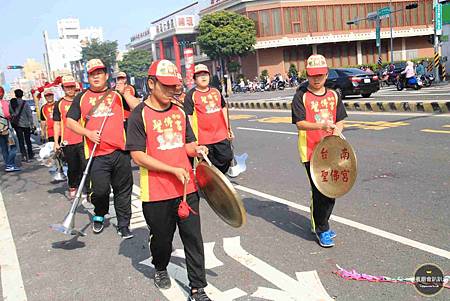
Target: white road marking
[(307, 287), (359, 226), (12, 283), (267, 131), (176, 293)]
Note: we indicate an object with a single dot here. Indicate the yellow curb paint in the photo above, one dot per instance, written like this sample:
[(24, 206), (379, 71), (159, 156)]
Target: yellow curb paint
[(241, 116)]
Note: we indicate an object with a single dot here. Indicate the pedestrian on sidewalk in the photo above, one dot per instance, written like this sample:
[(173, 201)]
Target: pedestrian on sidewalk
[(161, 141), (317, 112), (208, 115), (22, 122), (8, 138), (73, 143), (111, 164), (47, 122)]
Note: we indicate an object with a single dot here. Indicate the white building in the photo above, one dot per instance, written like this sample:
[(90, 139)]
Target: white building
[(67, 47)]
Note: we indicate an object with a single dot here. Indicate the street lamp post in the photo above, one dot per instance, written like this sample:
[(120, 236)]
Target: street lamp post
[(381, 14), (392, 36)]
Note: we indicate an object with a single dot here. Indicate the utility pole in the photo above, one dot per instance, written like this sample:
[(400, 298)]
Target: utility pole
[(437, 31)]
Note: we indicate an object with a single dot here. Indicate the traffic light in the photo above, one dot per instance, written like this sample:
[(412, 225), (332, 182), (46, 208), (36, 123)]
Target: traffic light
[(412, 6), (14, 67)]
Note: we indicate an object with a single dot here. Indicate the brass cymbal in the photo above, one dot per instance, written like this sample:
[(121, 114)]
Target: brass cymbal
[(333, 166), (220, 195)]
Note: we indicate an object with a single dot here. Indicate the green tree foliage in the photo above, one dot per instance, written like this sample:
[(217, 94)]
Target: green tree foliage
[(106, 51), (233, 66), (293, 70), (224, 34), (136, 63)]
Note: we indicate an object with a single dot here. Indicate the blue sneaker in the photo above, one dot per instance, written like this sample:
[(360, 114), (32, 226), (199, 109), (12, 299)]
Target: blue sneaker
[(325, 239), (332, 233)]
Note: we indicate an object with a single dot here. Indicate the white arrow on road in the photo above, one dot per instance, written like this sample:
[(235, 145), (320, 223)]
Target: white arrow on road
[(306, 287), (176, 292)]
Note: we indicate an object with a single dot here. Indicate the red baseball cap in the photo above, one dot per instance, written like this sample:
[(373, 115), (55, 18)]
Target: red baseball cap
[(68, 81), (165, 72), (316, 65), (95, 64)]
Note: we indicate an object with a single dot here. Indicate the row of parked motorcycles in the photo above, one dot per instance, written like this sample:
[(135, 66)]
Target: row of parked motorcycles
[(277, 83), (401, 82)]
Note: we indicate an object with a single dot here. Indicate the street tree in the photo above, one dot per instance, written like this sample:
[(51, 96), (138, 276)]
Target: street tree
[(223, 35), (106, 51), (136, 63)]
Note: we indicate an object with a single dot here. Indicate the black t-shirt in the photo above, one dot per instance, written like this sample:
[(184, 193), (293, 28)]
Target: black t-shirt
[(75, 109), (56, 112), (189, 102), (298, 107), (136, 135)]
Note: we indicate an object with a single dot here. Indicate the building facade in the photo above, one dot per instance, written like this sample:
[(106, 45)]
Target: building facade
[(289, 31), (60, 52)]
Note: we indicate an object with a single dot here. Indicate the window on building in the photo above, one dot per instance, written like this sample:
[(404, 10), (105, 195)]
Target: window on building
[(287, 20), (338, 17), (171, 24), (181, 21), (189, 21), (265, 23), (313, 18), (346, 14), (304, 19), (361, 14), (276, 18), (254, 17), (296, 21), (399, 16), (329, 18), (321, 18)]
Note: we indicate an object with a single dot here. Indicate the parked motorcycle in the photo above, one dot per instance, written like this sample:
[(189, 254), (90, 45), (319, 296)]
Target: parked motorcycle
[(412, 82), (427, 79)]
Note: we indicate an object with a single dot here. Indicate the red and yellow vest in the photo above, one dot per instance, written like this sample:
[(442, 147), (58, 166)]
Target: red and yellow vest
[(208, 122), (67, 134), (166, 138), (113, 136), (319, 109)]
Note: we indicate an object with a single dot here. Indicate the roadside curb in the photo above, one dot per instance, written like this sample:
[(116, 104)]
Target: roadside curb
[(436, 107)]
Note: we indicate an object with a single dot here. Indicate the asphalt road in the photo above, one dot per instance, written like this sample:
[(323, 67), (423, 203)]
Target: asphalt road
[(435, 92), (402, 189)]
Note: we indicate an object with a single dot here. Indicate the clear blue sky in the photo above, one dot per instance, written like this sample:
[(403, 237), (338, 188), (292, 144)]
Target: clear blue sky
[(22, 23)]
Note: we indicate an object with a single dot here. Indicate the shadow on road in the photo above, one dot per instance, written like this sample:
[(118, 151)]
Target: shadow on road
[(279, 215)]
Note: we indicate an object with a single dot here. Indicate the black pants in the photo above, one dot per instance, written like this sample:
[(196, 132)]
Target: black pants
[(162, 219), (112, 170), (24, 136), (76, 163), (321, 207), (220, 154)]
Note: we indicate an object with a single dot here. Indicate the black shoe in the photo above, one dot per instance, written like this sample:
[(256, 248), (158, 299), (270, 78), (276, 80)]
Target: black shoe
[(125, 232), (162, 280), (199, 295)]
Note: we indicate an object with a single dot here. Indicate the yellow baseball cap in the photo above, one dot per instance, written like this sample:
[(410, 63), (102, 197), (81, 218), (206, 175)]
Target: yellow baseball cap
[(68, 81), (121, 74)]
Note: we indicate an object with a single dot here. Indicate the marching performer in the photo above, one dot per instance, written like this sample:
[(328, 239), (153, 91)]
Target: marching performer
[(111, 164), (127, 90), (160, 140), (73, 149), (318, 112), (207, 113), (47, 123)]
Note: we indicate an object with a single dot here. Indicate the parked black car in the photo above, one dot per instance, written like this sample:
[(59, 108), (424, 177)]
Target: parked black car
[(352, 81)]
